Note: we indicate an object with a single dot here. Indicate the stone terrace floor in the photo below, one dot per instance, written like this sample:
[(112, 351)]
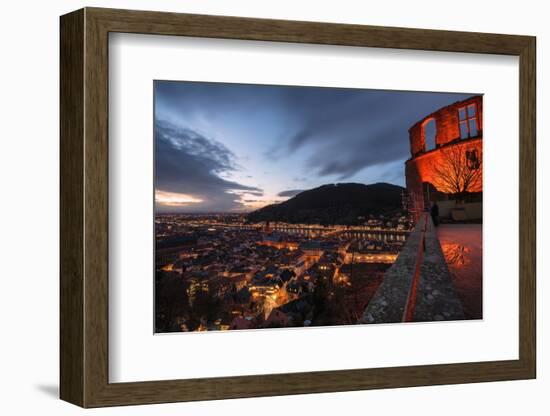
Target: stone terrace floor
[(462, 247)]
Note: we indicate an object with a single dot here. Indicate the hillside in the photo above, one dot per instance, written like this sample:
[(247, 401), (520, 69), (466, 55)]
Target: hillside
[(339, 203)]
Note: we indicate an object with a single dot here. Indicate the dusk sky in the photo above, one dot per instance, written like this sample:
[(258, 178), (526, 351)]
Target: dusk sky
[(235, 147)]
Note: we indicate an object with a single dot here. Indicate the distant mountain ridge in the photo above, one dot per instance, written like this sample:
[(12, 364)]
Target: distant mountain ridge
[(340, 203)]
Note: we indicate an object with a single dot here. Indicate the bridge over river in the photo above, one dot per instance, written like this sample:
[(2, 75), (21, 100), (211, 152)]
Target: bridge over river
[(313, 231)]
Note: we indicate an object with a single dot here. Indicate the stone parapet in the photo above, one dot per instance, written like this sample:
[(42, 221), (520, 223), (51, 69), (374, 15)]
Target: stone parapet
[(418, 286)]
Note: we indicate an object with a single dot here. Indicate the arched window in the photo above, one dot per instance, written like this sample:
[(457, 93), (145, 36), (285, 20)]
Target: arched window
[(429, 134)]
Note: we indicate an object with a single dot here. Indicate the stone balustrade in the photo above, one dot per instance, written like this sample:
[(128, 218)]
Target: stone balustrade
[(418, 286)]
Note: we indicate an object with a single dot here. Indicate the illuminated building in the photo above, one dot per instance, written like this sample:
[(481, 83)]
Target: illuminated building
[(371, 252), (276, 319), (449, 139), (388, 257), (312, 252), (277, 241), (196, 282)]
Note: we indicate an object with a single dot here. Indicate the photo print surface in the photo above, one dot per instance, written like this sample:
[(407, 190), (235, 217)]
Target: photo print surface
[(294, 206)]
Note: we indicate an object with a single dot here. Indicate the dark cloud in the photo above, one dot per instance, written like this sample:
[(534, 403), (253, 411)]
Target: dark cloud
[(247, 190), (188, 163), (347, 131), (314, 135), (290, 192)]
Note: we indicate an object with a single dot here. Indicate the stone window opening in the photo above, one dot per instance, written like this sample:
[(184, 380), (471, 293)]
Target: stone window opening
[(467, 118), (429, 127), (472, 159)]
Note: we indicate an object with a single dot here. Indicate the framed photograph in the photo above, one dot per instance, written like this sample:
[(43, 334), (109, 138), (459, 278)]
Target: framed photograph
[(263, 207)]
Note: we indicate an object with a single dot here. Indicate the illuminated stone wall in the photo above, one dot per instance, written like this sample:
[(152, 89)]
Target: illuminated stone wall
[(423, 165)]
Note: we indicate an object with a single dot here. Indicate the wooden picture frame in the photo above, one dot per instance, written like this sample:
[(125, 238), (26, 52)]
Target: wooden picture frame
[(84, 207)]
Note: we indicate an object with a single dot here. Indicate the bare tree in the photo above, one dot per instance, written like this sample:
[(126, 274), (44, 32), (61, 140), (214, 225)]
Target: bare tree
[(458, 171)]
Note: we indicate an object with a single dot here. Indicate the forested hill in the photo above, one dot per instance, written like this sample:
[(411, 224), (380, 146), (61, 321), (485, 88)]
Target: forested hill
[(341, 203)]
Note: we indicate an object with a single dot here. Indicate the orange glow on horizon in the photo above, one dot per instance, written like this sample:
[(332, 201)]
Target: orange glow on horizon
[(173, 199), (253, 202)]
